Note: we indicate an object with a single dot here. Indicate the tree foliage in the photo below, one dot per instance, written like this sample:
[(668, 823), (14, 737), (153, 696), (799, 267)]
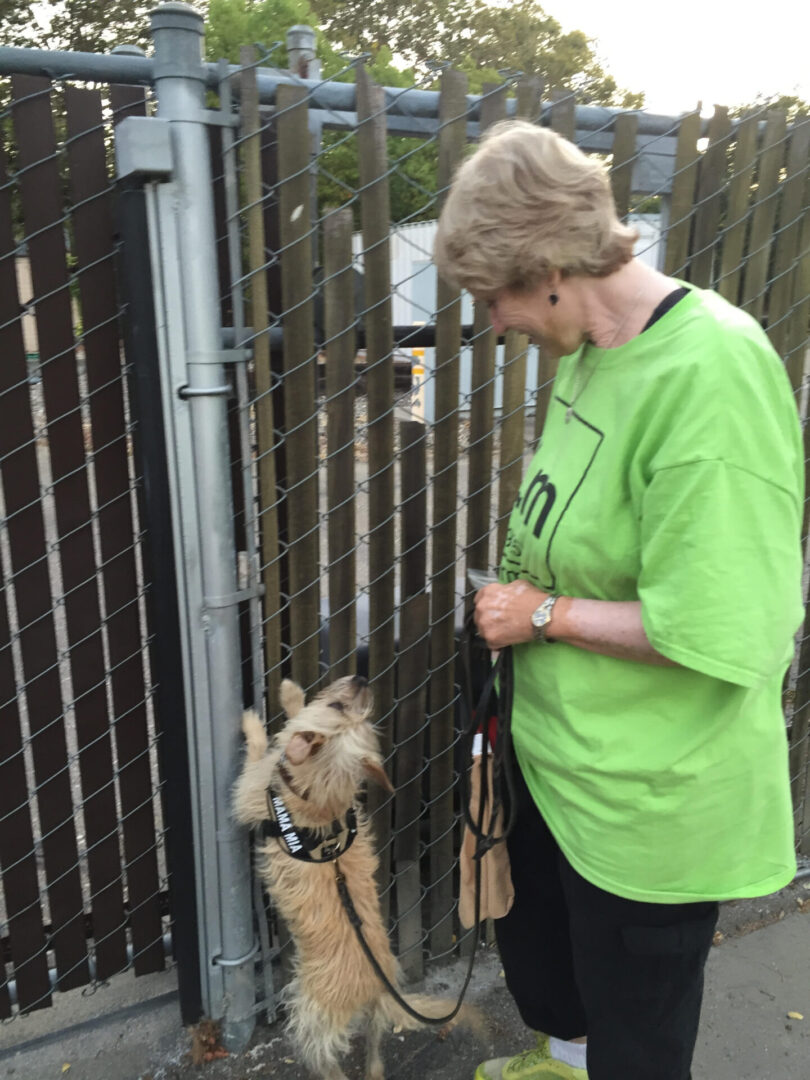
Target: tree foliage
[(482, 39), (231, 24), (76, 25), (794, 107)]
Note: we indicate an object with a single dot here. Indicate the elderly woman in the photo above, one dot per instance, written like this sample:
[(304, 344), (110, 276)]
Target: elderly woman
[(650, 588)]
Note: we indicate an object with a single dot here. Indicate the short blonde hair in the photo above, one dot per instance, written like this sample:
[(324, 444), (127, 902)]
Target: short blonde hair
[(525, 203)]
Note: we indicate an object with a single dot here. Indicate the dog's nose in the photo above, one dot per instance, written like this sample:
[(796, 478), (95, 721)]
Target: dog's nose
[(359, 681)]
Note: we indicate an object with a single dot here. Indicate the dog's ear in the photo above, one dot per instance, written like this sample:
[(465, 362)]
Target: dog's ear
[(374, 771), (301, 745), (292, 698)]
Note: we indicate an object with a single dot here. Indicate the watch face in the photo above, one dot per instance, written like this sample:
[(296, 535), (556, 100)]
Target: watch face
[(540, 617)]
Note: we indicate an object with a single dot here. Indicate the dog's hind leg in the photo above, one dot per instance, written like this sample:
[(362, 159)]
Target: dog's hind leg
[(321, 1036), (377, 1025)]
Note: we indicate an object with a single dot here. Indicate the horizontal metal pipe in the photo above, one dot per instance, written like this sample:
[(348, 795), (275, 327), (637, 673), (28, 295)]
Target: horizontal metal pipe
[(125, 67), (405, 337)]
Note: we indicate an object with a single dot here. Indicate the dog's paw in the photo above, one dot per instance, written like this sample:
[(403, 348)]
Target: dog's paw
[(255, 735), (292, 698)]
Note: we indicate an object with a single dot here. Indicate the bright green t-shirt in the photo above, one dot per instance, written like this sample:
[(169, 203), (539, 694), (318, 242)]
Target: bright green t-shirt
[(678, 481)]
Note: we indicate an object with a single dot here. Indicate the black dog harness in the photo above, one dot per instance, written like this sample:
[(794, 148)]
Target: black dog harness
[(309, 845)]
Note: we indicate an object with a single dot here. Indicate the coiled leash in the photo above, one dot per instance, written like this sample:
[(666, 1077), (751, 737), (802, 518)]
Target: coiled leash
[(300, 843)]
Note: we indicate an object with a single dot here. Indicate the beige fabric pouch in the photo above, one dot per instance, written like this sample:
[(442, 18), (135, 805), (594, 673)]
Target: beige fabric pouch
[(497, 892)]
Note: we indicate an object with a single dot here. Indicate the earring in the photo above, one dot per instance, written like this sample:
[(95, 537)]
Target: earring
[(553, 299)]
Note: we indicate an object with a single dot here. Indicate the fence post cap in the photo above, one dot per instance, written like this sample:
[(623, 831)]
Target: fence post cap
[(176, 16), (301, 36)]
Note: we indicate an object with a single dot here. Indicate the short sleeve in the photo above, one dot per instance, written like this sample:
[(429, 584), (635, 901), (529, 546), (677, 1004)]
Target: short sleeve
[(720, 582)]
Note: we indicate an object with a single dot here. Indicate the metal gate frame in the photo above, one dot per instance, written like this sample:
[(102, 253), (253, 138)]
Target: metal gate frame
[(170, 152)]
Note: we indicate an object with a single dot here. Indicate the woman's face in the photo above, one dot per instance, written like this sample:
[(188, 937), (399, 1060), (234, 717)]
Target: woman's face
[(530, 311)]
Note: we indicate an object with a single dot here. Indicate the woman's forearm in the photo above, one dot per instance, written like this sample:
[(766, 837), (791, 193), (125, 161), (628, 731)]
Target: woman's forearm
[(610, 627)]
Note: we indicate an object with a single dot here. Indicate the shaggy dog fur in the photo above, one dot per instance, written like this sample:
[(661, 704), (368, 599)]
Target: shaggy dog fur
[(328, 748)]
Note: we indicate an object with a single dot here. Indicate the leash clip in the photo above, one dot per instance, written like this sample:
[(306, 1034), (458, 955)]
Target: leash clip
[(346, 899)]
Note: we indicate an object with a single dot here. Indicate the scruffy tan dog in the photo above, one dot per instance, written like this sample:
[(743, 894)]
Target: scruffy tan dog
[(316, 765)]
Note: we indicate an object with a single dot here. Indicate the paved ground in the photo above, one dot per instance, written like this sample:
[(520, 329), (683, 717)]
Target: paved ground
[(757, 975)]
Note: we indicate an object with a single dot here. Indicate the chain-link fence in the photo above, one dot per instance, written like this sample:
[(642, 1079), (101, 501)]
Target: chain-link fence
[(389, 427), (353, 422)]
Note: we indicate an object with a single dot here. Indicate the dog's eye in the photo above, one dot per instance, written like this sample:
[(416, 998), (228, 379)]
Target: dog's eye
[(337, 705)]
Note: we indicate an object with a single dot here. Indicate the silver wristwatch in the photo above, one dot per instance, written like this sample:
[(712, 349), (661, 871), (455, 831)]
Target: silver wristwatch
[(541, 617)]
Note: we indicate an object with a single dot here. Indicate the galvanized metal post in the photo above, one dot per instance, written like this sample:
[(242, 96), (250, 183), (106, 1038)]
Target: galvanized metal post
[(197, 388), (301, 43)]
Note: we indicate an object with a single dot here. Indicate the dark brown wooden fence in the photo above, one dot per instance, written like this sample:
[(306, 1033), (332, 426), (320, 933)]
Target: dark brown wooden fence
[(80, 835)]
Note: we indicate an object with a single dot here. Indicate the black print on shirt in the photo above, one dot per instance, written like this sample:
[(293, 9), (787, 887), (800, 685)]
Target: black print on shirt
[(542, 502), (539, 486)]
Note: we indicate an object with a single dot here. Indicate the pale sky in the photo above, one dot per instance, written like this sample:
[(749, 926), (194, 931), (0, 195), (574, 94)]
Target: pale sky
[(679, 52)]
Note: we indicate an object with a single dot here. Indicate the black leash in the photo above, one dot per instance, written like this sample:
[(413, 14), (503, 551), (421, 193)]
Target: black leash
[(357, 925), (500, 674)]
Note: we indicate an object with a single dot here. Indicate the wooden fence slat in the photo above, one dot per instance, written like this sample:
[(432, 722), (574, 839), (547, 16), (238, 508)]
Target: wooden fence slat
[(94, 248), (40, 190), (563, 113), (763, 218), (341, 351), (711, 181), (18, 467), (482, 395), (375, 215), (452, 139), (625, 154), (412, 675), (799, 758), (259, 316), (93, 245), (682, 199), (19, 877), (268, 156), (300, 373), (737, 210), (791, 212), (127, 101), (797, 341)]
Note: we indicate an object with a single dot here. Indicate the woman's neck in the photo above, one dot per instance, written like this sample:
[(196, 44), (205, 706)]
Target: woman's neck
[(616, 308)]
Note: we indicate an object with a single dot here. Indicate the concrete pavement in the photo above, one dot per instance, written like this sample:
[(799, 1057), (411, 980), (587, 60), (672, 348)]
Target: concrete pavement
[(758, 973)]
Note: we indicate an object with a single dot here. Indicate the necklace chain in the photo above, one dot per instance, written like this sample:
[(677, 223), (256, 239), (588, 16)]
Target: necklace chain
[(584, 380)]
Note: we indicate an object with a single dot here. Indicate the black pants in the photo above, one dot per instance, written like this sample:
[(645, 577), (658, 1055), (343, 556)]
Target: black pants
[(581, 961)]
